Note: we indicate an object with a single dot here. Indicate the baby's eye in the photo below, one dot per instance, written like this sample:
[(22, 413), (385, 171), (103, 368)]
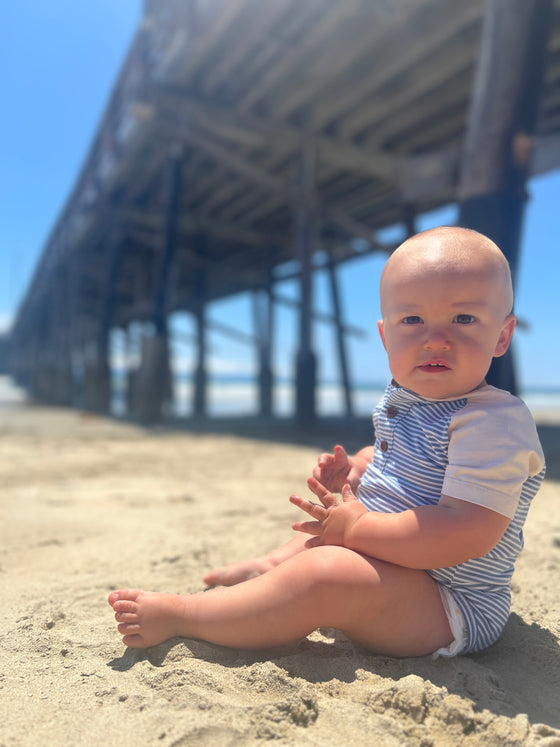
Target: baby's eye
[(412, 320), (464, 319)]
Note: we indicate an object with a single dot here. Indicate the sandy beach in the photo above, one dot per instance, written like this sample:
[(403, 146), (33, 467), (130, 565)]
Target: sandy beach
[(90, 504)]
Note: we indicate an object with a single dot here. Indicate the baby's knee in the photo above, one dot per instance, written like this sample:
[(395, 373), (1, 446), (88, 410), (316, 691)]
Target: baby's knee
[(327, 563)]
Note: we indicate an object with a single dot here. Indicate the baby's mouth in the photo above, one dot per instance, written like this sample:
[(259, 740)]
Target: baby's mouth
[(434, 366)]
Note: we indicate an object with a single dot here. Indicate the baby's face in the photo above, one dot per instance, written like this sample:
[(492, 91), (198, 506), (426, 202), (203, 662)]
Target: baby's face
[(443, 321)]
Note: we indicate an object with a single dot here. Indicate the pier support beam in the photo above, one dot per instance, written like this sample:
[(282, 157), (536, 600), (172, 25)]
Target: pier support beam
[(97, 376), (39, 375), (153, 381), (97, 368), (200, 393), (340, 339), (501, 124), (63, 381), (305, 237), (263, 314), (55, 387)]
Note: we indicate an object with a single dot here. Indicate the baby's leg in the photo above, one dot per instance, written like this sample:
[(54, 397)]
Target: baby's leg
[(243, 570), (387, 608)]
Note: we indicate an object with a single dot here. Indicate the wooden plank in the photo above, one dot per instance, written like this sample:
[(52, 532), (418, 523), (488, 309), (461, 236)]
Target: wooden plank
[(289, 66), (421, 98), (250, 29), (254, 173), (397, 55), (334, 62), (208, 37), (144, 224), (348, 157), (175, 110), (230, 160)]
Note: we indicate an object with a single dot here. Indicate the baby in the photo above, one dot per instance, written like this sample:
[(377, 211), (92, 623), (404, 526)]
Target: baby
[(418, 555)]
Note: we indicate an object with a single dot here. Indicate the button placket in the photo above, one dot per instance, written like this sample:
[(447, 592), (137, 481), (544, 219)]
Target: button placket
[(387, 435)]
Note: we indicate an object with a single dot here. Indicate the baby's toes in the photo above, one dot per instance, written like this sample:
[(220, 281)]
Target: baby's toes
[(126, 617), (125, 628), (125, 605), (123, 595), (134, 641)]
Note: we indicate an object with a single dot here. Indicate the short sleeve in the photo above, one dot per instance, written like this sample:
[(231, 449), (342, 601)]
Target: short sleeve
[(493, 449)]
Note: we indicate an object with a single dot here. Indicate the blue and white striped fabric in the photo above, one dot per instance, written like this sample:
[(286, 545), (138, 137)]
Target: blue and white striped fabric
[(482, 448)]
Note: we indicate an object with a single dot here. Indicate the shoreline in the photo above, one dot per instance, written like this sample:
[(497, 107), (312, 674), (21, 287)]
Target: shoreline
[(234, 400)]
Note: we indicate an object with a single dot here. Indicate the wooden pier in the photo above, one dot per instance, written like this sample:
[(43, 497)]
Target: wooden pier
[(243, 135)]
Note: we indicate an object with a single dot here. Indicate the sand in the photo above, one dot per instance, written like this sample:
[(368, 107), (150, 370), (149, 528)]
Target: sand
[(90, 504)]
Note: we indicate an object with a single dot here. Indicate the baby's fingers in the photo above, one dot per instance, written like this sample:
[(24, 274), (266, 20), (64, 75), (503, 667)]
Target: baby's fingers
[(325, 459), (313, 542), (307, 527), (347, 494), (340, 455), (324, 495), (313, 509)]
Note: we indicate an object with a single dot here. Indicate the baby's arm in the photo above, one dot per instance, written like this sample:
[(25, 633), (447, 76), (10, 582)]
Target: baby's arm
[(438, 536), (429, 536), (338, 469)]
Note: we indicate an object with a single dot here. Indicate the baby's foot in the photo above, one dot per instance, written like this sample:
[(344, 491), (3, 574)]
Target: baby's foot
[(147, 618), (235, 573)]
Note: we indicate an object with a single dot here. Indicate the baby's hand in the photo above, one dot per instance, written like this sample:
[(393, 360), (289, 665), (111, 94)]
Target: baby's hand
[(331, 520), (332, 470)]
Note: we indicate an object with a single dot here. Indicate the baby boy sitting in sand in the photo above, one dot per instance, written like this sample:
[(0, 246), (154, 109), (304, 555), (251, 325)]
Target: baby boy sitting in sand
[(417, 558)]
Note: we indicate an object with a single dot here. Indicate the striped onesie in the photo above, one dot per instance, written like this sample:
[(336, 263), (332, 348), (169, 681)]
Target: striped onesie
[(482, 448)]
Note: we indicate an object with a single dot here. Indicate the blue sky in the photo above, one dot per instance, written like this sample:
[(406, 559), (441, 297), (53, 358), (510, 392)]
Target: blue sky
[(59, 62)]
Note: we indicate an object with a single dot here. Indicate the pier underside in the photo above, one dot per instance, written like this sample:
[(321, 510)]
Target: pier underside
[(246, 142)]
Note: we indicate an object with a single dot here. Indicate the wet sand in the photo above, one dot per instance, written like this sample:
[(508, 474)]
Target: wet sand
[(90, 504)]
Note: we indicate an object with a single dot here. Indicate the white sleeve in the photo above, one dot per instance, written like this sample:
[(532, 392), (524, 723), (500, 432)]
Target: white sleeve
[(493, 449)]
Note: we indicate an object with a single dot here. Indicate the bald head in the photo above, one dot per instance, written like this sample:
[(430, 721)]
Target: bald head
[(450, 252)]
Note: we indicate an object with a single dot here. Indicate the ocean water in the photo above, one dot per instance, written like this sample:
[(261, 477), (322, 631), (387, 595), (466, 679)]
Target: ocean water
[(11, 395), (237, 396), (242, 398)]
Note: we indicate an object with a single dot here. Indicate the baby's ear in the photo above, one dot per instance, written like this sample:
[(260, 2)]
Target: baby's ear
[(505, 335), (380, 328)]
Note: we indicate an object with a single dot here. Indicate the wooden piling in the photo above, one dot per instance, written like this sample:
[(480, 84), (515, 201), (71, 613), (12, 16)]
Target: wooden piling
[(501, 124)]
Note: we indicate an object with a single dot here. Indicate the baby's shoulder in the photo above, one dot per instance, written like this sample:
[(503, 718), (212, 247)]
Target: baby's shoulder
[(493, 419), (497, 403)]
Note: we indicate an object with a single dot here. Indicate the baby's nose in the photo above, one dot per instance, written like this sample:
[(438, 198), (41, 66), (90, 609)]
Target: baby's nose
[(436, 339)]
